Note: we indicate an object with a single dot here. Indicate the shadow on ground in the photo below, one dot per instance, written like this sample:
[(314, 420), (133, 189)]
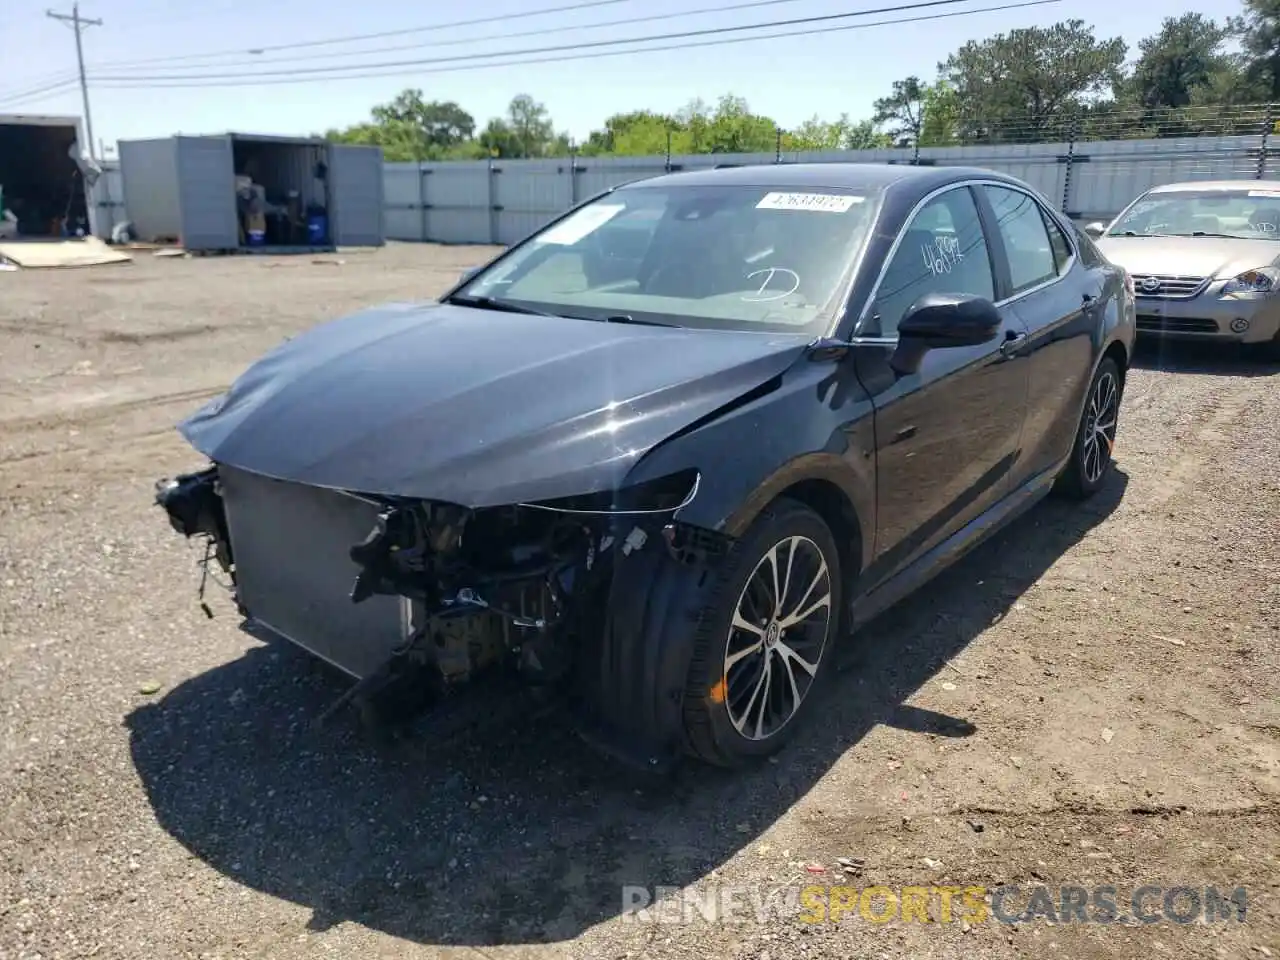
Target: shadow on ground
[(1220, 359), (522, 835)]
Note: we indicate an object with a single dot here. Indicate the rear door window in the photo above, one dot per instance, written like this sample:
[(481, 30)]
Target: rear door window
[(1026, 240)]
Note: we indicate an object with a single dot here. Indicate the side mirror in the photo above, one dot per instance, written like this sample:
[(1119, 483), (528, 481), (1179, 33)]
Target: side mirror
[(1095, 229), (950, 320)]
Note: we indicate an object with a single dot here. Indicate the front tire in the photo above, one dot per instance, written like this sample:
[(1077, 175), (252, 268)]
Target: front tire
[(764, 640), (1096, 434)]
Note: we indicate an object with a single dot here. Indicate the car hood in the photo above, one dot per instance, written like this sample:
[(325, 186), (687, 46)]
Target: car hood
[(477, 407), (1189, 256)]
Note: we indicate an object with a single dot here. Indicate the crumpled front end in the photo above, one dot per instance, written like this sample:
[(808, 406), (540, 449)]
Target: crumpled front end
[(546, 593)]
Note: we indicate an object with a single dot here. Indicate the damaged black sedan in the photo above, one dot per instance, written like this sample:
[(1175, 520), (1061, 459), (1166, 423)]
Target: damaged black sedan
[(661, 456)]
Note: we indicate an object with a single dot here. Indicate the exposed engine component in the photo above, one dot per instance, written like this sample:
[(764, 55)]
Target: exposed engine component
[(193, 503), (509, 589)]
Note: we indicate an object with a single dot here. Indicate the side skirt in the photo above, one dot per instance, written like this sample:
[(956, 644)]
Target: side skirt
[(925, 568)]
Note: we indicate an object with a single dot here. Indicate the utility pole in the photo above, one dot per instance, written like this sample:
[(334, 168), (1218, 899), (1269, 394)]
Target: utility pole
[(79, 24)]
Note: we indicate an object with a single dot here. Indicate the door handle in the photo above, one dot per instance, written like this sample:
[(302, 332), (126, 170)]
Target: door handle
[(1012, 343)]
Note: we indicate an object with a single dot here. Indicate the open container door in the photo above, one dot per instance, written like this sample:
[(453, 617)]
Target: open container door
[(207, 188), (355, 195)]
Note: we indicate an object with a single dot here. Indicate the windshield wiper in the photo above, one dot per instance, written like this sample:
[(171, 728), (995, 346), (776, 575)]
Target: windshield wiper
[(505, 306), (627, 318)]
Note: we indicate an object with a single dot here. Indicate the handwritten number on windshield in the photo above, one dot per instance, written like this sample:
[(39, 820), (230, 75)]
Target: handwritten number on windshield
[(774, 283)]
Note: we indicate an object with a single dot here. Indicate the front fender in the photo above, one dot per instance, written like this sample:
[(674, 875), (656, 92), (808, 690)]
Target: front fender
[(818, 424), (815, 425)]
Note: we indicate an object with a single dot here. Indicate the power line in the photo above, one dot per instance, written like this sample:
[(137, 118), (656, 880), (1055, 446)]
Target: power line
[(530, 51), (462, 41), (38, 81), (358, 37), (37, 97), (38, 92), (119, 83), (79, 24)]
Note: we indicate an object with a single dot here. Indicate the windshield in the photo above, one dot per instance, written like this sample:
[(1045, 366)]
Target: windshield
[(720, 257), (1252, 214)]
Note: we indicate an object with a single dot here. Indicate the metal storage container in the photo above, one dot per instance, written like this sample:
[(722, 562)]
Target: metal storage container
[(35, 152), (183, 189)]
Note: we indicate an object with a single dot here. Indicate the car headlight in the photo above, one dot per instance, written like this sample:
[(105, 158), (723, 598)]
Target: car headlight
[(660, 495), (1260, 282)]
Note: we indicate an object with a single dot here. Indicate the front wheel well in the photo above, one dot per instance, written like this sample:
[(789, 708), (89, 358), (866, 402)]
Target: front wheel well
[(830, 502)]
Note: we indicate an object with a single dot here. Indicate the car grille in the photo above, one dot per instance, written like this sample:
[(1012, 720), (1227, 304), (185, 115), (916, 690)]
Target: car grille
[(1156, 286), (294, 573), (1176, 325)]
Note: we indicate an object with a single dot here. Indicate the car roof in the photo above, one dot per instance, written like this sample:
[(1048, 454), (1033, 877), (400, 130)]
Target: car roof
[(871, 177), (1192, 185)]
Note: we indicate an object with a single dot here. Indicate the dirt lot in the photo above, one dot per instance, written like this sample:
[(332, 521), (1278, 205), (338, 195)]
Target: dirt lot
[(1092, 699)]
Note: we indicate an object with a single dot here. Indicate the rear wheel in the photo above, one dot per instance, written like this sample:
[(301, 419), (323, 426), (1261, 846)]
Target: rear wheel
[(1096, 435), (763, 642)]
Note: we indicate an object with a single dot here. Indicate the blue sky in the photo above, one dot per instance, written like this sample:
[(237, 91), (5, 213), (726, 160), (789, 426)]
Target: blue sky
[(789, 79)]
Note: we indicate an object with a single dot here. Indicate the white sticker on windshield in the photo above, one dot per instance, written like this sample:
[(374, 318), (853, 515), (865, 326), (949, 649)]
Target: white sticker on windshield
[(578, 225), (1274, 194), (811, 202)]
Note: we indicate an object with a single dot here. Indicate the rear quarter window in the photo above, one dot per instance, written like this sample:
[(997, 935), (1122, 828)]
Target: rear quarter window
[(1090, 255)]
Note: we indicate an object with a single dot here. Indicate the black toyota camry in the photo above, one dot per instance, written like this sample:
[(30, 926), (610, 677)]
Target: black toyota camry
[(664, 455)]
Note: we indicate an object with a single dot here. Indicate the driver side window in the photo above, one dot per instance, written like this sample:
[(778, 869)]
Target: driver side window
[(942, 250)]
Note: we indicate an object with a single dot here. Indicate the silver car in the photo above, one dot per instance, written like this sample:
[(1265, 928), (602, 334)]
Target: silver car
[(1204, 258)]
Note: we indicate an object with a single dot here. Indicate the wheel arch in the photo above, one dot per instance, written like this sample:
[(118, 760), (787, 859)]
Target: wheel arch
[(635, 670), (1116, 351), (838, 512)]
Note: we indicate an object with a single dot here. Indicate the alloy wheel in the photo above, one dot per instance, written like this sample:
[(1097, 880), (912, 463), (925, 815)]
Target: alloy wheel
[(1100, 427), (775, 644)]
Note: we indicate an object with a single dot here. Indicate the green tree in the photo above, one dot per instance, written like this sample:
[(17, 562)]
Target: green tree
[(1258, 32), (733, 128), (637, 133), (941, 114), (902, 112), (840, 134), (817, 134), (863, 135), (693, 121), (532, 132), (442, 122), (412, 128), (1185, 55), (1026, 84)]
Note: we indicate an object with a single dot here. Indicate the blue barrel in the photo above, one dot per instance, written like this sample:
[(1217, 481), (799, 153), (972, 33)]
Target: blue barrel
[(317, 229)]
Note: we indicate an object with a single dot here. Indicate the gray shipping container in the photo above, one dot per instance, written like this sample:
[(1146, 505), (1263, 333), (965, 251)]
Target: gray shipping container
[(184, 188)]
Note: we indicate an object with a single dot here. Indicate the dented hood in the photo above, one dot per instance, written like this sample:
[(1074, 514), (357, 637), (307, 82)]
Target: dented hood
[(477, 407)]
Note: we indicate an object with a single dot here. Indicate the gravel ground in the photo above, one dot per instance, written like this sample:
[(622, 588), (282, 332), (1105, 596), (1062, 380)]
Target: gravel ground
[(1090, 699)]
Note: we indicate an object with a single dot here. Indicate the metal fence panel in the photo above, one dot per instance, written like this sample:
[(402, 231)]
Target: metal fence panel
[(459, 203), (402, 187), (1117, 172), (598, 174), (504, 201), (528, 194)]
